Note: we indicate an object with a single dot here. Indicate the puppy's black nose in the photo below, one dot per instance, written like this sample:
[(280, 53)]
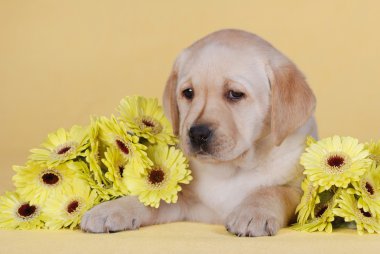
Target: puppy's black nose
[(199, 135)]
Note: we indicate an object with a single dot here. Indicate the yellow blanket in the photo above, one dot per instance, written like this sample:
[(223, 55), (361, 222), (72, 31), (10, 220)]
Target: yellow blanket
[(185, 237)]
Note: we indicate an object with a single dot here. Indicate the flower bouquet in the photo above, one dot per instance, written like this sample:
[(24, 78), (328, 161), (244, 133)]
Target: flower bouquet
[(133, 153), (342, 185)]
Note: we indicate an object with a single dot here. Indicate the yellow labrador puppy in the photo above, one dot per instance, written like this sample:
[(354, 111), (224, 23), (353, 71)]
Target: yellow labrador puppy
[(242, 111)]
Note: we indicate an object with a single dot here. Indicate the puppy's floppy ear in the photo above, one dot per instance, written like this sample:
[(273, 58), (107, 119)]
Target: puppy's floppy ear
[(170, 100), (293, 102)]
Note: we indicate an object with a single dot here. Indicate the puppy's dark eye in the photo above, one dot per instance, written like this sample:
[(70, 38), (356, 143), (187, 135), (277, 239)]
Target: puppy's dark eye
[(235, 96), (188, 93)]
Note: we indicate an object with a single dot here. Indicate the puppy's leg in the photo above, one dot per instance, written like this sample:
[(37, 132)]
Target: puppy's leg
[(264, 212), (126, 213)]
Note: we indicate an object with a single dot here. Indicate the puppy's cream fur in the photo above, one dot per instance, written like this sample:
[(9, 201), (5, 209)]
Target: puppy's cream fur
[(249, 178)]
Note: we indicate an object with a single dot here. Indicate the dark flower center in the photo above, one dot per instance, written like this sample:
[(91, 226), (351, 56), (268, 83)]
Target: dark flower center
[(156, 176), (369, 188), (121, 145), (148, 123), (50, 178), (366, 214), (121, 170), (72, 207), (64, 150), (321, 211), (26, 210), (335, 161)]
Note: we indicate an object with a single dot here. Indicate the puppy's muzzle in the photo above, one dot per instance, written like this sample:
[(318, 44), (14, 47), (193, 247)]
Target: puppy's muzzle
[(200, 135)]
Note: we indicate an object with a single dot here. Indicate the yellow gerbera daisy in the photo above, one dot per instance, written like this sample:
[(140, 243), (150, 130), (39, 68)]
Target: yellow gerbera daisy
[(65, 210), (308, 201), (146, 118), (116, 165), (36, 181), (349, 210), (335, 161), (93, 154), (114, 134), (374, 150), (367, 190), (161, 181), (323, 216), (17, 213), (62, 146)]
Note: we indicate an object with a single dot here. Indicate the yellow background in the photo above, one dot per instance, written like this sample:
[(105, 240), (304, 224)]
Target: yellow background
[(62, 61)]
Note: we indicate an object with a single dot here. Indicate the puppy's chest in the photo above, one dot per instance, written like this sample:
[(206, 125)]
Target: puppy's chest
[(221, 190)]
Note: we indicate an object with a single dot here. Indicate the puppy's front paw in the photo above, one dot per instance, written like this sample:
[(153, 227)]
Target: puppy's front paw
[(252, 222), (110, 217)]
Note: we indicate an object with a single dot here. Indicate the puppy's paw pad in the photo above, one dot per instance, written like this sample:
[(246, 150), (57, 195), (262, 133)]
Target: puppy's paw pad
[(103, 219), (248, 223)]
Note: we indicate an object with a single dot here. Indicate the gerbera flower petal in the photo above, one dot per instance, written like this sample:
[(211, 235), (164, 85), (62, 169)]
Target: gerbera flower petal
[(114, 134), (16, 213), (37, 181), (322, 217), (160, 181), (93, 154), (117, 165), (62, 146), (374, 150), (335, 161), (349, 210), (65, 210), (146, 118), (367, 190), (308, 201), (104, 191), (310, 140)]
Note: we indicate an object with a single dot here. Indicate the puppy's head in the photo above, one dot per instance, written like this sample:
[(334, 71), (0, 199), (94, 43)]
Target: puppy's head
[(230, 89)]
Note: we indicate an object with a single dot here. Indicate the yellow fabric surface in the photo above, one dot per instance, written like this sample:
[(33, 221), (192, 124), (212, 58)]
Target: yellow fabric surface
[(185, 237), (62, 61)]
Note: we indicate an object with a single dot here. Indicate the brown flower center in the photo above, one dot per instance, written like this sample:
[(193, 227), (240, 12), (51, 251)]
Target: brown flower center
[(63, 150), (26, 210), (369, 188), (72, 207), (335, 161), (366, 214), (321, 211), (50, 178), (148, 123), (122, 146), (156, 176)]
